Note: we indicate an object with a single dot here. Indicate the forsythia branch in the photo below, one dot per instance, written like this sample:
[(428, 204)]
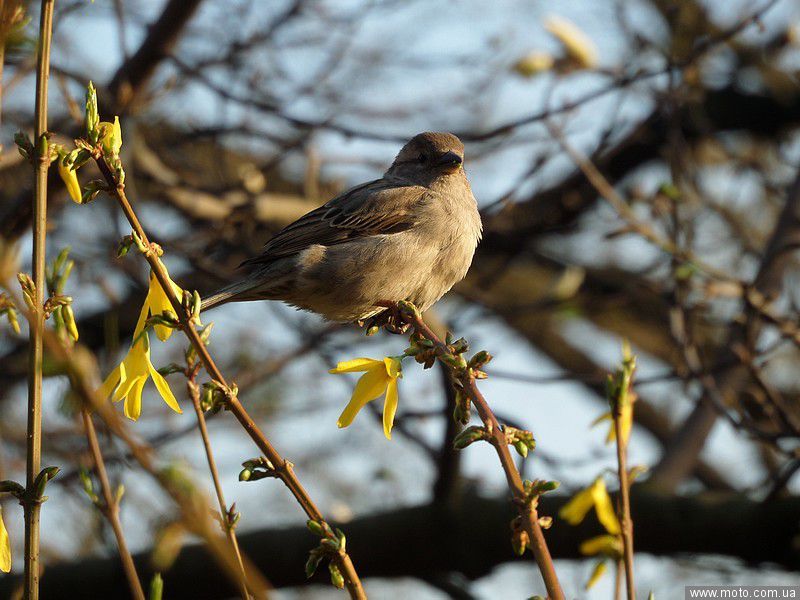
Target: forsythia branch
[(525, 497), (114, 177)]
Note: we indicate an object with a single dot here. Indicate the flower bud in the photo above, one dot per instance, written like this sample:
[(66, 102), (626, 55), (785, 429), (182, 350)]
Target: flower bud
[(70, 179), (469, 436), (11, 315), (336, 576), (480, 359), (92, 117), (315, 527), (69, 321)]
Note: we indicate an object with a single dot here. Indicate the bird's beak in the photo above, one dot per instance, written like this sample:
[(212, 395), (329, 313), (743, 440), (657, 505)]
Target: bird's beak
[(451, 160)]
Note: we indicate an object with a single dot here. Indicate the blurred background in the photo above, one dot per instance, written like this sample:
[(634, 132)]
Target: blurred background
[(240, 116)]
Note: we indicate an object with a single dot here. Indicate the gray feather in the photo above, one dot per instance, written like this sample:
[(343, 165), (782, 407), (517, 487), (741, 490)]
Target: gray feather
[(229, 293)]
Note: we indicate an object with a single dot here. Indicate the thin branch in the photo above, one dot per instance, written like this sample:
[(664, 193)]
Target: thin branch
[(527, 510), (110, 507), (283, 469), (80, 366), (162, 35), (626, 523), (224, 514), (32, 502)]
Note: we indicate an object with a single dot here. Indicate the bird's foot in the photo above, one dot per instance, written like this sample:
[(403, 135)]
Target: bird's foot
[(390, 319)]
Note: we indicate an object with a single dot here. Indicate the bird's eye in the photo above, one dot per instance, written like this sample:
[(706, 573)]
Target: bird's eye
[(421, 158)]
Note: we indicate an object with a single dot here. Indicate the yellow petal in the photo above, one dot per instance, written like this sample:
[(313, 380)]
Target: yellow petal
[(117, 140), (609, 545), (604, 507), (575, 511), (600, 419), (125, 387), (626, 419), (143, 314), (371, 385), (70, 179), (158, 302), (612, 434), (576, 43), (133, 368), (111, 135), (355, 365), (133, 401), (533, 63), (163, 388), (597, 573), (390, 408), (626, 422), (394, 367), (5, 547), (110, 383)]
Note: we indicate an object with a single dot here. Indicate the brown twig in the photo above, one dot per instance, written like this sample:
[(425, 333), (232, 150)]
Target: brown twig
[(224, 515), (110, 507), (32, 503), (626, 524), (80, 365), (282, 467), (527, 510), (627, 214)]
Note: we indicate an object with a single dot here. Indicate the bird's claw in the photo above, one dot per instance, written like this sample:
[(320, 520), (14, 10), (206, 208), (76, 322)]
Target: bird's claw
[(390, 319)]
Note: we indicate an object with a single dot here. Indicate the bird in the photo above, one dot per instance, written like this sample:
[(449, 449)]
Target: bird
[(410, 235)]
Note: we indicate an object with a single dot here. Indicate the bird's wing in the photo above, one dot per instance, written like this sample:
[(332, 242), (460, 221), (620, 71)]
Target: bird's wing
[(377, 207)]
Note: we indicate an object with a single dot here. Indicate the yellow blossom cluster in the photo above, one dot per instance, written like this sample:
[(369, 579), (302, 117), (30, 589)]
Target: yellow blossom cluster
[(380, 378), (607, 545), (127, 380), (110, 138)]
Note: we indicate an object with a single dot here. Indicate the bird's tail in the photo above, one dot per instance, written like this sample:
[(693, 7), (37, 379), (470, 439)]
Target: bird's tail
[(230, 293)]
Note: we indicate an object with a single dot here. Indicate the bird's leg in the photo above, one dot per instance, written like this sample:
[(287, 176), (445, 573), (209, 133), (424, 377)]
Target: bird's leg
[(389, 319)]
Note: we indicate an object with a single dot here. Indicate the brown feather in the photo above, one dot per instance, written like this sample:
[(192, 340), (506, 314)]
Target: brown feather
[(378, 207)]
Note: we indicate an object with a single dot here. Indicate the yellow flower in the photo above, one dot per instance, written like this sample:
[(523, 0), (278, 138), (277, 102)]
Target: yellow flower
[(128, 379), (533, 63), (380, 378), (156, 303), (70, 178), (5, 547), (111, 136), (606, 545), (609, 545), (626, 420), (596, 495), (626, 423), (576, 44), (598, 571), (626, 417)]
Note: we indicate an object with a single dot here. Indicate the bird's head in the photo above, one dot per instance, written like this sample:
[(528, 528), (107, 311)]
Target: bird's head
[(428, 157)]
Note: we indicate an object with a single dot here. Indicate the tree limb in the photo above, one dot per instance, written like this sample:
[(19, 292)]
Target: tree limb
[(435, 540)]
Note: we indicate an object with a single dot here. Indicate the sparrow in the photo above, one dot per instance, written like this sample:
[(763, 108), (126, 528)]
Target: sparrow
[(410, 235)]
